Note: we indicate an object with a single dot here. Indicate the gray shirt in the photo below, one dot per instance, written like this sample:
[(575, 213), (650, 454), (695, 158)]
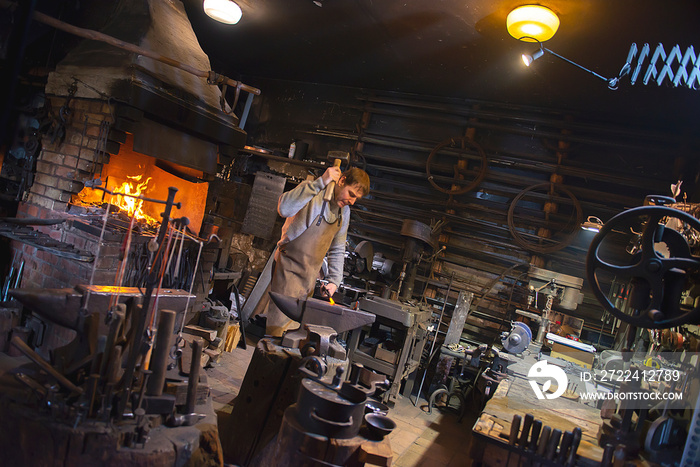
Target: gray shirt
[(289, 205)]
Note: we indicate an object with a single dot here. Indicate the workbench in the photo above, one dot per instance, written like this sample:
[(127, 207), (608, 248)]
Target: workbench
[(515, 396), (410, 324)]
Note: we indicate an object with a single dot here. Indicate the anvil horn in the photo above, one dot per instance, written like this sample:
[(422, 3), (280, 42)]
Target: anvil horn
[(292, 308), (60, 306)]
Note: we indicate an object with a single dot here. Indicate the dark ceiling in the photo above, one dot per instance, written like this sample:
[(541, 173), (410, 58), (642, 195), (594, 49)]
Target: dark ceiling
[(460, 49)]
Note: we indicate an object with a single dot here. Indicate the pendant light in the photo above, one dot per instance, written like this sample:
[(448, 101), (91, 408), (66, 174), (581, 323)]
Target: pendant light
[(225, 11), (532, 23)]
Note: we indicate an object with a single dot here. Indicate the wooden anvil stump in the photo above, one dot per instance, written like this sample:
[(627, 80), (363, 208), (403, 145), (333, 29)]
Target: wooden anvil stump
[(37, 434)]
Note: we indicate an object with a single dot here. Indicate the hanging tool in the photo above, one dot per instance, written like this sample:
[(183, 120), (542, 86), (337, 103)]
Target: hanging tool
[(542, 443), (566, 440), (535, 434)]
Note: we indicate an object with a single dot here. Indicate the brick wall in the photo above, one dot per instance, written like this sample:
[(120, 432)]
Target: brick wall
[(61, 168)]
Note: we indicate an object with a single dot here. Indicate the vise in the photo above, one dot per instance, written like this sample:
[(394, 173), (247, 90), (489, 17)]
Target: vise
[(322, 319)]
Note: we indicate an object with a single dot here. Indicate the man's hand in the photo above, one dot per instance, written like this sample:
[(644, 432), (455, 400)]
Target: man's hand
[(332, 174), (329, 289)]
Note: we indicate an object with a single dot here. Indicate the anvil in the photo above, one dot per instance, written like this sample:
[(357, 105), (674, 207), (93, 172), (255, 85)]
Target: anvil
[(62, 306), (318, 312)]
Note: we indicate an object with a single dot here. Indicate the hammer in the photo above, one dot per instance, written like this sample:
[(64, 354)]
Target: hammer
[(338, 157)]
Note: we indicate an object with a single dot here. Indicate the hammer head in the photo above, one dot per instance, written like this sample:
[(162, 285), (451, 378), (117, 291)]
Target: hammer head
[(338, 157)]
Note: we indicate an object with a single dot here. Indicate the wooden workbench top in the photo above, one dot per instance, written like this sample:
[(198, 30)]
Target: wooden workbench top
[(515, 396)]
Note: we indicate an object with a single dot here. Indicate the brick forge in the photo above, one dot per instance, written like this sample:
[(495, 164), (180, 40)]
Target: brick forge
[(61, 169), (71, 247)]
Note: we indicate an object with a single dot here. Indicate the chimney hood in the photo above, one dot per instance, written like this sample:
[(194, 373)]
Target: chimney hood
[(173, 115)]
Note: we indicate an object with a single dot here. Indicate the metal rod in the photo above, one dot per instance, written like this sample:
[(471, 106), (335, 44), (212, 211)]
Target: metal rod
[(432, 346), (576, 64), (140, 340), (116, 193)]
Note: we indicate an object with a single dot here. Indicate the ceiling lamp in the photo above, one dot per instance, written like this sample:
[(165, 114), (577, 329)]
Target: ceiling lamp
[(225, 11), (532, 23)]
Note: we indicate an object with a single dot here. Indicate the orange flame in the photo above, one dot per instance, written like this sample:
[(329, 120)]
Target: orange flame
[(331, 300), (133, 206)]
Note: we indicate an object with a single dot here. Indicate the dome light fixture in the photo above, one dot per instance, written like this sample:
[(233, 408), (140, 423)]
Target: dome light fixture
[(224, 11), (532, 23)]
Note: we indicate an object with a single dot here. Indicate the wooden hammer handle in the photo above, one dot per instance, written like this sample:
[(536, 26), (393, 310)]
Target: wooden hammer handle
[(44, 365), (328, 194)]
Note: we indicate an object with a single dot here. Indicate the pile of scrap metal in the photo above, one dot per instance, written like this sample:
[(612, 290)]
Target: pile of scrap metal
[(114, 394)]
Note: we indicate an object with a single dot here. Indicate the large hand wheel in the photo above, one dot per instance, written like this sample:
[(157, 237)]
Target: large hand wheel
[(661, 280)]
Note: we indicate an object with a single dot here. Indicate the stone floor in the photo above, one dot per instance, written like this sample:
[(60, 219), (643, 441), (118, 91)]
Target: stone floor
[(420, 439)]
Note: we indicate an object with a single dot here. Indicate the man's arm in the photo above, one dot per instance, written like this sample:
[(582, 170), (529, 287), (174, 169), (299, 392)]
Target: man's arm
[(291, 202), (336, 252)]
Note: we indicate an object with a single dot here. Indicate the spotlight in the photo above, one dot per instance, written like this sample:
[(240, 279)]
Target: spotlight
[(593, 224), (528, 59)]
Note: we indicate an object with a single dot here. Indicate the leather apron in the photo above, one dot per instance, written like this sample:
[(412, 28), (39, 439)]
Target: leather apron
[(297, 264)]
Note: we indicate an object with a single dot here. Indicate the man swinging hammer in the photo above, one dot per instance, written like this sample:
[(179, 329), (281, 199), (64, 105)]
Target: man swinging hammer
[(317, 216)]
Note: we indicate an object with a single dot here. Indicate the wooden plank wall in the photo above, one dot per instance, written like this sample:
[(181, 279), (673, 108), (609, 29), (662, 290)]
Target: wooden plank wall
[(607, 165)]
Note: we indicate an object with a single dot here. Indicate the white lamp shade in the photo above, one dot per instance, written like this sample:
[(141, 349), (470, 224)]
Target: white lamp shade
[(531, 23), (225, 11)]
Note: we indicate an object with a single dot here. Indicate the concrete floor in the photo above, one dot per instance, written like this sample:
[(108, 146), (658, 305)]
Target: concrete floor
[(420, 438)]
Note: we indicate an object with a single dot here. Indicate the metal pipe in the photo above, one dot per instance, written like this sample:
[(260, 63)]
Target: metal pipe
[(432, 346)]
